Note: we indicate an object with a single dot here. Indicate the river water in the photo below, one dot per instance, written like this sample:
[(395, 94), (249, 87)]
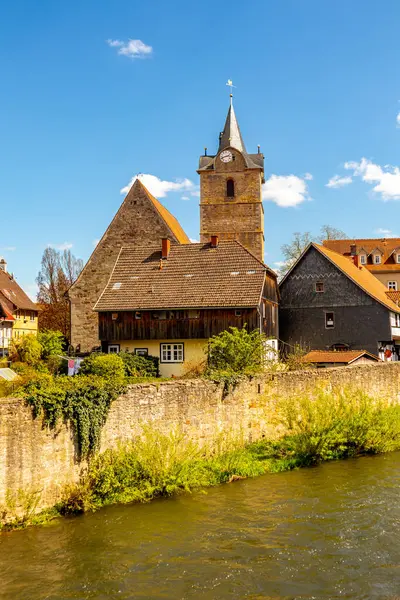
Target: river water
[(327, 532)]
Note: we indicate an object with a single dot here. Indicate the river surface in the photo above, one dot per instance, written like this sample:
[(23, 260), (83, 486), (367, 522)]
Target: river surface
[(327, 532)]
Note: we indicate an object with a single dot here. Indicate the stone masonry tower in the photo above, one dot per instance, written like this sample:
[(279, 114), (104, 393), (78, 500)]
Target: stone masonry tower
[(230, 191)]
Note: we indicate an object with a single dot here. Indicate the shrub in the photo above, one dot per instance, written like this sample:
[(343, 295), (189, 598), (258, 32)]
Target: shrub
[(27, 349), (295, 359), (139, 366), (109, 366), (52, 343)]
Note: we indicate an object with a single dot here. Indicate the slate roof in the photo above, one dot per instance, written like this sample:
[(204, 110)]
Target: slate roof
[(231, 137), (11, 292), (193, 276), (331, 356), (386, 245)]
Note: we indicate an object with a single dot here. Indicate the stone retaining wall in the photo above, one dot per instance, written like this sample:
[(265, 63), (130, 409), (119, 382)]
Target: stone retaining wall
[(33, 457)]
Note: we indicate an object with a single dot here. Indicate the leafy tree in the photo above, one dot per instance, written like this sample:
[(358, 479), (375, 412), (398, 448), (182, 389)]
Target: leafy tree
[(58, 272), (237, 351), (52, 343), (27, 349)]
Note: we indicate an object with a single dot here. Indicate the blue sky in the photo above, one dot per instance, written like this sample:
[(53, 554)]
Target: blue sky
[(318, 87)]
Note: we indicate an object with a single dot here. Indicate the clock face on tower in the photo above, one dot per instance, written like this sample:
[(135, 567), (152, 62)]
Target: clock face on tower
[(225, 156)]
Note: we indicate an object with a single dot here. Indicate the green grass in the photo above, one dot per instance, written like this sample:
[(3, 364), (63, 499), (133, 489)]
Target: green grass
[(321, 427)]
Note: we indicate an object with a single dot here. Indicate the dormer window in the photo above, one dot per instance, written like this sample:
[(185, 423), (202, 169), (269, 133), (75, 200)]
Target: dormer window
[(230, 188), (377, 259), (363, 259), (398, 258)]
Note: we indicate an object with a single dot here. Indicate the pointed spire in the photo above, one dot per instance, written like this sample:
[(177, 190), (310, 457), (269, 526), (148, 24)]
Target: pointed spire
[(231, 135)]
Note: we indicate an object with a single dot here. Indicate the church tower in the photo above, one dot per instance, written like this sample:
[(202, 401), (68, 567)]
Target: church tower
[(230, 191)]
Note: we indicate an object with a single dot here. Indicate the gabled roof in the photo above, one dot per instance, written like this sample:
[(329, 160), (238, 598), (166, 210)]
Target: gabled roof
[(359, 275), (193, 276), (342, 356), (386, 245), (170, 220), (12, 293), (394, 296)]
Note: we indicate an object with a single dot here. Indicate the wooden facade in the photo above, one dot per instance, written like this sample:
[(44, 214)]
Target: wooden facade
[(184, 324)]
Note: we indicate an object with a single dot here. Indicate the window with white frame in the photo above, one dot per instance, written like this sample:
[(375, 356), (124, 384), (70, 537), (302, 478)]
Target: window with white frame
[(398, 258), (329, 320), (363, 259), (377, 259), (32, 316), (113, 349), (171, 353), (392, 285)]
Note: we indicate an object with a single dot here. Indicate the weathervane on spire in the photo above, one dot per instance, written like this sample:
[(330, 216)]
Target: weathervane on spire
[(229, 83)]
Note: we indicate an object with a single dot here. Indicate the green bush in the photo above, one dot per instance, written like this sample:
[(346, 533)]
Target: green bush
[(139, 366), (52, 343), (109, 366), (27, 349), (237, 350)]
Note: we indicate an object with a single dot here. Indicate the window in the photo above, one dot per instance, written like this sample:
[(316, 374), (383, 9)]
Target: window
[(392, 285), (238, 313), (160, 315), (329, 320), (230, 188), (138, 314), (363, 259), (32, 316), (194, 314), (171, 353), (142, 351), (113, 349), (319, 287), (396, 320), (398, 258), (114, 316), (377, 259)]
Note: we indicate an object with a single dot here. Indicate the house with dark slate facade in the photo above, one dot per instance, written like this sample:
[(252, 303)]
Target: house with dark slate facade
[(332, 302)]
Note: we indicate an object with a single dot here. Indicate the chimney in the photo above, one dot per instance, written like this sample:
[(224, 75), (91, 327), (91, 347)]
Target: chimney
[(214, 241), (3, 265), (353, 250), (165, 248), (356, 260)]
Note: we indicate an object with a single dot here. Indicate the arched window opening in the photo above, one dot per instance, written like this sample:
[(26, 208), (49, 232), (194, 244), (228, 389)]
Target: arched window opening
[(230, 188)]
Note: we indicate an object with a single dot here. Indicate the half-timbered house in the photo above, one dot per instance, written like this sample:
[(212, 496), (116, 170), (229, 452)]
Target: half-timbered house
[(168, 301)]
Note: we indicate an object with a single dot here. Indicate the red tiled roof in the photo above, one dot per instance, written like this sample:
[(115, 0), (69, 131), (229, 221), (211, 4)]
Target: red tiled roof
[(394, 296), (361, 276), (336, 356), (12, 292), (386, 245), (193, 276)]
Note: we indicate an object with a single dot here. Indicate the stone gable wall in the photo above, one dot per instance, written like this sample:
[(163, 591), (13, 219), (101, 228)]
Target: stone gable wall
[(33, 457), (136, 222)]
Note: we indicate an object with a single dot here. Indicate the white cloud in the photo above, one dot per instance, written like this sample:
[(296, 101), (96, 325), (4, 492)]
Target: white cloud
[(194, 241), (387, 233), (185, 198), (336, 181), (387, 178), (64, 246), (161, 188), (8, 248), (285, 190), (131, 48), (308, 177), (398, 119)]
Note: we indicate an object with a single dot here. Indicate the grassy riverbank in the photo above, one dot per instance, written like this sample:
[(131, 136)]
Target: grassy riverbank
[(327, 426)]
